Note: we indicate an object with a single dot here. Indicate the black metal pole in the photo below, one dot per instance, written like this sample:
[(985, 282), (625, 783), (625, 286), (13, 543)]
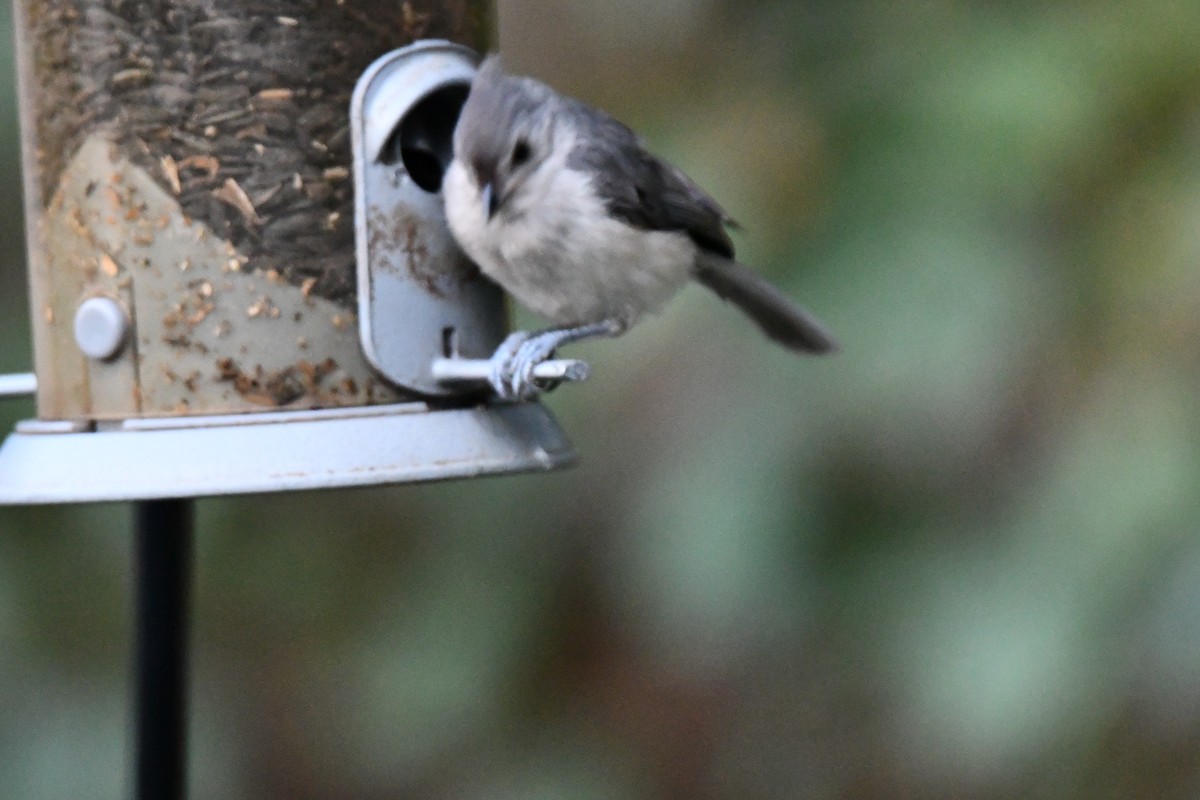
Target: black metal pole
[(163, 530)]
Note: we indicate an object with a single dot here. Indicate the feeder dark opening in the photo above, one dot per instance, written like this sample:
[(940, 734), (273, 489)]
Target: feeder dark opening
[(424, 140)]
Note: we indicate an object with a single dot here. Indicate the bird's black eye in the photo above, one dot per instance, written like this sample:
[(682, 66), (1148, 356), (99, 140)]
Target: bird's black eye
[(521, 152)]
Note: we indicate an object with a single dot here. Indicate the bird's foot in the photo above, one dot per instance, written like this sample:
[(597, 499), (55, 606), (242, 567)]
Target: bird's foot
[(512, 366), (504, 365), (514, 361)]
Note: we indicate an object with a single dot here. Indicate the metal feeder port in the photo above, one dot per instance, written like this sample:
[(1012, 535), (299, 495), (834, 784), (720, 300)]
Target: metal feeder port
[(240, 274)]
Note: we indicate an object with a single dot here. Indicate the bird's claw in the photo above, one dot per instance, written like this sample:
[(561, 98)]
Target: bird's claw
[(504, 365), (513, 363)]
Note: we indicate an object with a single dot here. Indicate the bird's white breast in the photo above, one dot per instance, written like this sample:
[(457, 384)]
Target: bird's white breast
[(554, 246)]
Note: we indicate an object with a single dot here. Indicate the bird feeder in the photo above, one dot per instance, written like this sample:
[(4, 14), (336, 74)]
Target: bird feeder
[(240, 273), (242, 281)]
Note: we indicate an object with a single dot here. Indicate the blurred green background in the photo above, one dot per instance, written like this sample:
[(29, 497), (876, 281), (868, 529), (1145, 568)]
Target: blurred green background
[(959, 560)]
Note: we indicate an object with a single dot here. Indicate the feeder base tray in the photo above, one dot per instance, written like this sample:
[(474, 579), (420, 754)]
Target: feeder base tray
[(141, 459)]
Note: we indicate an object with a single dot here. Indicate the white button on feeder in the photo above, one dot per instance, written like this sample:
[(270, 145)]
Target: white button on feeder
[(100, 327)]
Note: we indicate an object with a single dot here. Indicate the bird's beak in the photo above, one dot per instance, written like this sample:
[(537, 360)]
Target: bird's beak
[(491, 200)]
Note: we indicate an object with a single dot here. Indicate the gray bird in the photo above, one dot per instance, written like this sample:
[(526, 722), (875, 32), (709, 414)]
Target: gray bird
[(564, 208)]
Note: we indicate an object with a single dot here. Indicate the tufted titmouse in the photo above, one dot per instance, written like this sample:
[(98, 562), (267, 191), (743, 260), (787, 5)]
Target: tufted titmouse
[(562, 206)]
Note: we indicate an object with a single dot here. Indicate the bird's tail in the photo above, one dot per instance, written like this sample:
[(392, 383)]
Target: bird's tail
[(780, 318)]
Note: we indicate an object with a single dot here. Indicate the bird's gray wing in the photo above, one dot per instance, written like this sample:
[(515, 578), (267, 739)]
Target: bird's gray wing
[(642, 189)]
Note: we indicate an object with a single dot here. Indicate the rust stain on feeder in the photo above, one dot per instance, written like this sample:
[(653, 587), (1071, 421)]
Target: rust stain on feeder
[(400, 238)]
